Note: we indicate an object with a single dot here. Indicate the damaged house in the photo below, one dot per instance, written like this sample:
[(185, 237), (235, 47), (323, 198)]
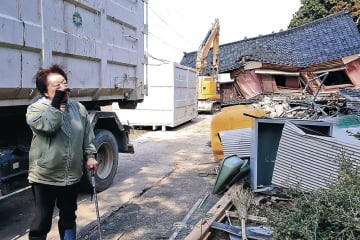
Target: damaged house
[(320, 57), (315, 63)]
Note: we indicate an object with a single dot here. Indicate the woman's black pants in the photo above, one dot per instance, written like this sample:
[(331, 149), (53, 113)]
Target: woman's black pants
[(45, 198)]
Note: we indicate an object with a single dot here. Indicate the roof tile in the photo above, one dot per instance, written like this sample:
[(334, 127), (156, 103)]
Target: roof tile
[(326, 39)]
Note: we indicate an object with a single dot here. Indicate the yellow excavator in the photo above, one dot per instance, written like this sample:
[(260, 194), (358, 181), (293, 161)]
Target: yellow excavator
[(208, 92)]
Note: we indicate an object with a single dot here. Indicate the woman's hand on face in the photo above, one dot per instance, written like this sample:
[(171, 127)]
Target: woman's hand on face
[(64, 87)]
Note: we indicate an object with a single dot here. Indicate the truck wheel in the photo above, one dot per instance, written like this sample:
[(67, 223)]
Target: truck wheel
[(107, 157)]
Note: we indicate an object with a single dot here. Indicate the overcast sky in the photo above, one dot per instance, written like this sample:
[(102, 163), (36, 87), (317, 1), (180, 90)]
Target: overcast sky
[(180, 26)]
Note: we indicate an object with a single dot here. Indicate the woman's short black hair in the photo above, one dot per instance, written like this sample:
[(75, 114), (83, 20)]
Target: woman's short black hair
[(41, 77)]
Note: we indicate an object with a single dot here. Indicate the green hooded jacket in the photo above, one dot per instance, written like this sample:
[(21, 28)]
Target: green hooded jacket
[(61, 141)]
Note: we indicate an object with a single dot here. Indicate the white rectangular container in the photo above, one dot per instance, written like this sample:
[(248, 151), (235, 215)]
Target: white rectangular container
[(171, 99)]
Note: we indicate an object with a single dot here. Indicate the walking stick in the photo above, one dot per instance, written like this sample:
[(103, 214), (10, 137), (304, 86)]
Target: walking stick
[(96, 200)]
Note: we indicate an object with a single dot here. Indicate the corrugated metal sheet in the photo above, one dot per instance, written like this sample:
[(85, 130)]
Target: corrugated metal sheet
[(237, 141), (266, 136), (307, 161)]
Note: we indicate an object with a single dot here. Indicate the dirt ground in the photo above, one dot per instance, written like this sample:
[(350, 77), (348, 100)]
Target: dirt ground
[(159, 210)]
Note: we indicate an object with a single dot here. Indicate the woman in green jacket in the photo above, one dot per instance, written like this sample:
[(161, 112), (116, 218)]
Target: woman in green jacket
[(61, 144)]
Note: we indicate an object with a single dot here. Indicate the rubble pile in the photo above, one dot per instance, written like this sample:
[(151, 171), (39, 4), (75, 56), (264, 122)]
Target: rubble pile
[(302, 106), (280, 158), (274, 106)]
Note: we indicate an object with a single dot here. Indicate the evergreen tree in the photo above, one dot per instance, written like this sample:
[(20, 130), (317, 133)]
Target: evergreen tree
[(311, 10)]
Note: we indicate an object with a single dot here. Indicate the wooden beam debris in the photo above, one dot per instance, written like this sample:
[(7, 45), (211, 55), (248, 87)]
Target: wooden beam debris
[(202, 229), (249, 217)]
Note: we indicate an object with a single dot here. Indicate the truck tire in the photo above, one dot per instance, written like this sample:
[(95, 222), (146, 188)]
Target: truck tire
[(107, 157)]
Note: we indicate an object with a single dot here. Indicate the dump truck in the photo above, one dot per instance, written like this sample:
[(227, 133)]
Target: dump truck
[(100, 44)]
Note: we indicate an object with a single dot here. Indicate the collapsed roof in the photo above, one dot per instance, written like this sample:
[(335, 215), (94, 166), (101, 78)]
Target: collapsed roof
[(323, 40)]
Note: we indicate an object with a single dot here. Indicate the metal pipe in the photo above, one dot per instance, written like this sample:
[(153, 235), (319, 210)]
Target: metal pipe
[(93, 183)]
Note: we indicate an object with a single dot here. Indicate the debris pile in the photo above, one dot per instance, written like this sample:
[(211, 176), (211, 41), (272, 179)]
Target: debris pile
[(274, 106), (294, 146), (305, 94)]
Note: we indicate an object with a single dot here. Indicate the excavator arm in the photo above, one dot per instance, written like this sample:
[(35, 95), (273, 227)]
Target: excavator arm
[(211, 39)]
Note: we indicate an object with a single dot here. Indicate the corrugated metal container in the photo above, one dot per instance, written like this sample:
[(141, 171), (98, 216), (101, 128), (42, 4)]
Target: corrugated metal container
[(265, 139), (308, 161), (171, 100)]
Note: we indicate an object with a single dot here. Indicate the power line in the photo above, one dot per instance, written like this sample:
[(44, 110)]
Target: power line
[(170, 27), (166, 23), (163, 61), (166, 43)]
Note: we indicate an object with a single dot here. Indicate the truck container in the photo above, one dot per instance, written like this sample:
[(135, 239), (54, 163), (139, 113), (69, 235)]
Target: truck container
[(172, 98), (100, 44)]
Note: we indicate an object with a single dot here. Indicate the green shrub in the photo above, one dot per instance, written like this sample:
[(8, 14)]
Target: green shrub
[(332, 213)]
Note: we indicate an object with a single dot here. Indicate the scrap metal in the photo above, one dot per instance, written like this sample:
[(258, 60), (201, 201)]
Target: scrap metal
[(237, 141), (309, 161)]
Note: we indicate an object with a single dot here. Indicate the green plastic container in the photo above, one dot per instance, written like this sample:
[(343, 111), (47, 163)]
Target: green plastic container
[(232, 170)]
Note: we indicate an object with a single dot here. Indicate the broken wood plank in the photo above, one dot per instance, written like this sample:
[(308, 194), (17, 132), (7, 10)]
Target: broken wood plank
[(216, 213), (249, 217)]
